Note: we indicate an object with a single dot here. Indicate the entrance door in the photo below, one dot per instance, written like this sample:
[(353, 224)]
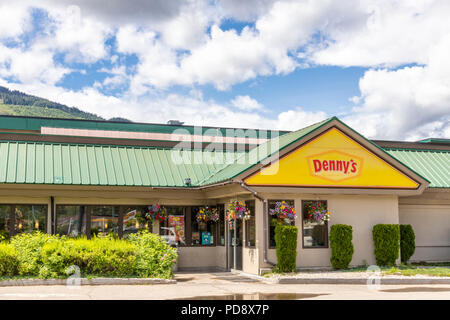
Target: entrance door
[(231, 263)]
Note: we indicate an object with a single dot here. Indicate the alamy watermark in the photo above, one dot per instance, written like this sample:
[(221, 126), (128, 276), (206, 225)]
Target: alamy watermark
[(226, 146)]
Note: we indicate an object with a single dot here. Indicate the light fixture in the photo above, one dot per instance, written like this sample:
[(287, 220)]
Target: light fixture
[(137, 225), (20, 225), (36, 225), (146, 226)]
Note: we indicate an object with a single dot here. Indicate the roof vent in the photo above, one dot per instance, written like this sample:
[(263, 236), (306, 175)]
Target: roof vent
[(175, 122)]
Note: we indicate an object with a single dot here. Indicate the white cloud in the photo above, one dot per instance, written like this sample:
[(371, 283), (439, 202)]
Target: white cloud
[(246, 103), (185, 43), (14, 20)]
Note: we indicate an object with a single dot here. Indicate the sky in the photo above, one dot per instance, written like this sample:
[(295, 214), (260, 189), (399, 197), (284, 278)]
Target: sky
[(381, 66)]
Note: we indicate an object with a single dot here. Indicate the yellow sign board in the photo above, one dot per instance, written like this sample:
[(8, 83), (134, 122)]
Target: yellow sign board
[(332, 160)]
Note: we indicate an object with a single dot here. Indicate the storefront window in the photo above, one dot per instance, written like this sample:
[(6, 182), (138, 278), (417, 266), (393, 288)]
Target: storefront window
[(173, 228), (134, 220), (221, 233), (250, 234), (104, 219), (315, 231), (71, 220), (203, 233), (273, 221), (30, 218), (4, 221)]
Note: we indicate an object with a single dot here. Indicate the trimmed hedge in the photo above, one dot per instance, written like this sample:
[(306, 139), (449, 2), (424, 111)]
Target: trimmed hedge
[(286, 246), (99, 256), (45, 256), (386, 238), (9, 262), (407, 242), (341, 245)]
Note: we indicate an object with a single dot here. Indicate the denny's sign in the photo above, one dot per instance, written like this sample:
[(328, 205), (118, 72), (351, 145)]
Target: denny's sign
[(335, 165), (332, 159)]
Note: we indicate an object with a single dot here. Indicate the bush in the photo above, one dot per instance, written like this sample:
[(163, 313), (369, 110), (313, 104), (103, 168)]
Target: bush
[(97, 256), (29, 247), (286, 246), (341, 245), (407, 242), (9, 263), (154, 257), (386, 238)]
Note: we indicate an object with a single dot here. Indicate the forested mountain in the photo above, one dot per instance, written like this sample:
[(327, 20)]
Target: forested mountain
[(17, 103)]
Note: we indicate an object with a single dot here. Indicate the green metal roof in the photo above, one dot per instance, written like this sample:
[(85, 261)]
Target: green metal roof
[(110, 165), (434, 165), (259, 153), (52, 163), (35, 124)]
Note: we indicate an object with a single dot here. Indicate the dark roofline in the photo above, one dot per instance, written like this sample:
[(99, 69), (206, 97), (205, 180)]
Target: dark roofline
[(134, 123), (411, 145)]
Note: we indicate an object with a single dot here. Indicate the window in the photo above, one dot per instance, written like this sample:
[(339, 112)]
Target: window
[(315, 233), (104, 219), (134, 220), (273, 221), (5, 211), (71, 220), (173, 228), (202, 233), (250, 234), (30, 218), (221, 225)]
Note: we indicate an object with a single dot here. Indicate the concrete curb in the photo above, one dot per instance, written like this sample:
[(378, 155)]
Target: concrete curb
[(383, 280), (85, 281), (393, 281)]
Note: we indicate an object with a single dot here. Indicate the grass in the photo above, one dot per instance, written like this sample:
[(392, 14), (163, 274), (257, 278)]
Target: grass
[(410, 270), (438, 269)]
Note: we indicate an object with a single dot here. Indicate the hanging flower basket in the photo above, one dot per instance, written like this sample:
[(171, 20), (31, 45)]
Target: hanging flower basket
[(156, 213), (237, 210), (316, 211), (206, 214), (283, 213)]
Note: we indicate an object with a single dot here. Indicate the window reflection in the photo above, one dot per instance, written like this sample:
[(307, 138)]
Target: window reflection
[(203, 233), (4, 221), (30, 218), (71, 221), (134, 220), (104, 219), (173, 228), (273, 220)]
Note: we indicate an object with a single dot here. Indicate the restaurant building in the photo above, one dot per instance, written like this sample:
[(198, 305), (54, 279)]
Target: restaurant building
[(80, 177)]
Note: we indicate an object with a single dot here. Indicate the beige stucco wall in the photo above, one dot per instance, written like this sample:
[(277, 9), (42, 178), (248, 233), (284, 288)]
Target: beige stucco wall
[(431, 224), (429, 215), (362, 212), (191, 258)]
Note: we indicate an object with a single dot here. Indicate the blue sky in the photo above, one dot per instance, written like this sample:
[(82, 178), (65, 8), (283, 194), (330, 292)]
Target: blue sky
[(261, 63)]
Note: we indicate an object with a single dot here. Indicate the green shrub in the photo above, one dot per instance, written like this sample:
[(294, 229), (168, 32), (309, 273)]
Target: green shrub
[(286, 246), (341, 245), (154, 257), (407, 242), (386, 238), (29, 247), (9, 262), (4, 235), (97, 256)]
